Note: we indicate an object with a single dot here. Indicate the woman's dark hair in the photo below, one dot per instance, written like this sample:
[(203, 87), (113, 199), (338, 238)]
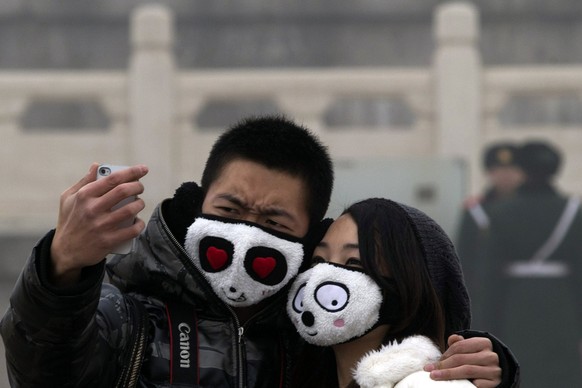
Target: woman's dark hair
[(390, 248), (279, 144)]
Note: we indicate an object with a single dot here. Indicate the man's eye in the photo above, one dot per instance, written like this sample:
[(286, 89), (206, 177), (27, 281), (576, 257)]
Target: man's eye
[(271, 222), (228, 210), (275, 225)]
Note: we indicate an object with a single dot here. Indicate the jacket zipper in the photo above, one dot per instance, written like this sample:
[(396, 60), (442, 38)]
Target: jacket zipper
[(130, 372), (137, 359), (240, 353), (239, 329)]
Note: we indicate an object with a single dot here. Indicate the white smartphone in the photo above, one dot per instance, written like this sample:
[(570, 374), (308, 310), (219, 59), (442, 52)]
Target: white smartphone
[(106, 170)]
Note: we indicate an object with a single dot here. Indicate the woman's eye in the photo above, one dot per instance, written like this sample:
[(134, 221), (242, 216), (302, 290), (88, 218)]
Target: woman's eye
[(352, 261), (317, 260)]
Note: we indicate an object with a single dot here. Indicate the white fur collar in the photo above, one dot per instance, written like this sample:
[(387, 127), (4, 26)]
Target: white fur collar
[(393, 362)]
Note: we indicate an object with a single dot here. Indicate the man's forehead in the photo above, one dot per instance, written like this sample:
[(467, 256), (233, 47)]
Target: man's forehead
[(260, 190), (242, 176)]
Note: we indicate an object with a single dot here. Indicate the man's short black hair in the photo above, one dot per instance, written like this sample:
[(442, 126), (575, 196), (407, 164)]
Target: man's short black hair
[(277, 143)]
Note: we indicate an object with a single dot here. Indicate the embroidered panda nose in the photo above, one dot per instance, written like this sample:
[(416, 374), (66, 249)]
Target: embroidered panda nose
[(307, 318)]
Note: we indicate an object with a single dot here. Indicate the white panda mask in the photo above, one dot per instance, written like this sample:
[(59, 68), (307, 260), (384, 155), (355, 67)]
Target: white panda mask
[(243, 263), (331, 304)]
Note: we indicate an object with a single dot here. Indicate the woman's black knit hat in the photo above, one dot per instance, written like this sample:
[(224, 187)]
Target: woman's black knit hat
[(444, 269)]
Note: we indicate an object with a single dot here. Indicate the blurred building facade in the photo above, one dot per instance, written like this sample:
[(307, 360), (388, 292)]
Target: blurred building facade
[(154, 82), (72, 34)]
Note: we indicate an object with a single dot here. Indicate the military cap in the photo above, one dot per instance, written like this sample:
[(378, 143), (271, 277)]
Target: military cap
[(499, 154)]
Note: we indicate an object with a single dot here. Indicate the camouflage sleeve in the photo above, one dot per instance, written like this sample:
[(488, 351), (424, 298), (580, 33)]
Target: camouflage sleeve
[(53, 336)]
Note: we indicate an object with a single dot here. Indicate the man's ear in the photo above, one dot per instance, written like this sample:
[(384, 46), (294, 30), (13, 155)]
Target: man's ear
[(180, 212), (313, 237)]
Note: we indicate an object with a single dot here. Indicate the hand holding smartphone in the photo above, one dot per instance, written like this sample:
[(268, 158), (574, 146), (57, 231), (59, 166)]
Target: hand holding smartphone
[(103, 171)]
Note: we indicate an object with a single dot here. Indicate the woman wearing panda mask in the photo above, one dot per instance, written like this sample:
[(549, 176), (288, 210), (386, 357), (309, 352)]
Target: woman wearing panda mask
[(374, 302)]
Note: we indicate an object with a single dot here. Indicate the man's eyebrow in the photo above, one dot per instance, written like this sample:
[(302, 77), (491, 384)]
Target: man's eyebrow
[(232, 198), (267, 211), (276, 211)]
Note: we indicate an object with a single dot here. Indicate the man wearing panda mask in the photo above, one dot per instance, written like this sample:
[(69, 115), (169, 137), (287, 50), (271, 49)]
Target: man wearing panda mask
[(243, 262)]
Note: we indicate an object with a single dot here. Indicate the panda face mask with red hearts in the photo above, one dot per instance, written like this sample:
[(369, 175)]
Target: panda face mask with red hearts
[(243, 263), (331, 304)]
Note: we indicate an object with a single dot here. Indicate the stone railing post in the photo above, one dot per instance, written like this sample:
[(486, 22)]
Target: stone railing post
[(152, 99), (457, 72)]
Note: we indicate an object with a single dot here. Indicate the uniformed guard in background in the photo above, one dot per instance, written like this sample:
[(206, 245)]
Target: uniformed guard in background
[(503, 177), (533, 262)]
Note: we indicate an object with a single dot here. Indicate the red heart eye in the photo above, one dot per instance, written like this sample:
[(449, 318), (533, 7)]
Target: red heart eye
[(216, 257), (263, 266)]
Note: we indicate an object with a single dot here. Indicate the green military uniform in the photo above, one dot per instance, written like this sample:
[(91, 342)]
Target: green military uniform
[(534, 271), (473, 225)]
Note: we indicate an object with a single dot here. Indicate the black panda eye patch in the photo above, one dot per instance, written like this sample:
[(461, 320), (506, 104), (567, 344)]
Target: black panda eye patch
[(265, 265), (215, 254), (298, 299)]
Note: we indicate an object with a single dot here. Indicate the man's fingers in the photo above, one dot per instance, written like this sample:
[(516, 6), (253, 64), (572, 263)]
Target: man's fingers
[(112, 189), (471, 358), (117, 178), (454, 338), (468, 346), (481, 376), (124, 192), (127, 211), (130, 174)]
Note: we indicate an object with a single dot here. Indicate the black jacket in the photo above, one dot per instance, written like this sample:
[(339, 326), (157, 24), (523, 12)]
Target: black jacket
[(81, 337)]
